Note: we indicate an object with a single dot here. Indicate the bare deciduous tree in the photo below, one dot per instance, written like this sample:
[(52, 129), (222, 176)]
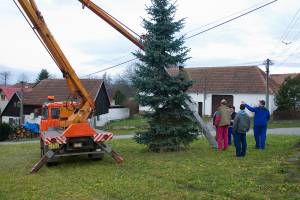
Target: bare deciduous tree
[(23, 78), (5, 76)]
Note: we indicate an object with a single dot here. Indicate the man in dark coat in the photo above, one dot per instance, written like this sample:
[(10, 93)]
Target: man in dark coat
[(241, 126), (233, 114)]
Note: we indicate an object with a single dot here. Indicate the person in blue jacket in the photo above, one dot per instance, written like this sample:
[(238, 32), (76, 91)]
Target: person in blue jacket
[(261, 118)]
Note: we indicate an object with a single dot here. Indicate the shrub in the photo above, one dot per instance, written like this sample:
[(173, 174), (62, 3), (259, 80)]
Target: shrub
[(119, 98), (288, 96), (5, 131)]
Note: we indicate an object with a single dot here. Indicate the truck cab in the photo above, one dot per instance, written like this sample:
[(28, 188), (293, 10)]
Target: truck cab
[(55, 114)]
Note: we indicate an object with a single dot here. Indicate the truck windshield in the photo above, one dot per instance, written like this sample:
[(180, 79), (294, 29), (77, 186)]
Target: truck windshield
[(45, 113), (55, 112)]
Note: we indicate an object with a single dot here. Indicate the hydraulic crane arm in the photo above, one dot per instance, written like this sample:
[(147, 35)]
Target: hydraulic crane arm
[(76, 87), (109, 19)]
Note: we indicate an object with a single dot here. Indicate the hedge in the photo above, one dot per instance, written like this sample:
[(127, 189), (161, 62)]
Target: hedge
[(5, 131)]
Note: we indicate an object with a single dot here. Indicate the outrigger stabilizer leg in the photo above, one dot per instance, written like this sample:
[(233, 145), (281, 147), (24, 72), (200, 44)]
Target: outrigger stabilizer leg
[(42, 161), (107, 149)]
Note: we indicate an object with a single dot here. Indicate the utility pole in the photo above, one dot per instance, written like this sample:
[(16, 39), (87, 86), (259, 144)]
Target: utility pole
[(21, 104), (268, 63)]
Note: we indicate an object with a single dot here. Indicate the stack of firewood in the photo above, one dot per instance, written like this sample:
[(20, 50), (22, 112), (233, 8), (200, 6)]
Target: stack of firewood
[(21, 133)]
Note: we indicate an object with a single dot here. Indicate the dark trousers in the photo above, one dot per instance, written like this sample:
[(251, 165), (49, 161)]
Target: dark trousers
[(230, 135), (260, 134), (240, 144)]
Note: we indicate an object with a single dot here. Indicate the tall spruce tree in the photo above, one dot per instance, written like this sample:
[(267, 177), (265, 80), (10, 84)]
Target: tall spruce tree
[(172, 127)]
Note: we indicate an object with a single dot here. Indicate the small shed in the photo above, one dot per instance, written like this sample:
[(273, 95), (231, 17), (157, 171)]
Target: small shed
[(38, 95)]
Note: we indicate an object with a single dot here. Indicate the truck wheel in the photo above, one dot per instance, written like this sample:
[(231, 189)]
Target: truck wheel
[(96, 157)]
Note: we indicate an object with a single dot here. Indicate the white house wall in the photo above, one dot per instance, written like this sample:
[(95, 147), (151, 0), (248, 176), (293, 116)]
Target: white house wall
[(5, 119), (251, 99)]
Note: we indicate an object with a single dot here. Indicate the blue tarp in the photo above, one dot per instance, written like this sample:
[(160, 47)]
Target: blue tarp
[(32, 127)]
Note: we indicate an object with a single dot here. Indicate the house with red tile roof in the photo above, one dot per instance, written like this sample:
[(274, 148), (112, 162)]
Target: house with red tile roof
[(235, 84), (6, 92), (34, 98), (279, 78)]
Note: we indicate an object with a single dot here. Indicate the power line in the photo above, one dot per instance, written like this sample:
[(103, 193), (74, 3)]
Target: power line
[(203, 25), (292, 23), (257, 8), (213, 27), (222, 18), (132, 31), (290, 55), (111, 67), (227, 21)]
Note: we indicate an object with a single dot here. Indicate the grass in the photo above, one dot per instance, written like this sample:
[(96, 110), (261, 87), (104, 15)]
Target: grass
[(127, 126), (284, 123), (198, 173)]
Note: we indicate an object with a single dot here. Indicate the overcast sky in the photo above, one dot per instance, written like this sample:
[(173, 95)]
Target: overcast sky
[(90, 44)]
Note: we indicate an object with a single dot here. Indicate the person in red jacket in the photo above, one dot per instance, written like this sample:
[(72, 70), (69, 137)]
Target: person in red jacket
[(222, 121)]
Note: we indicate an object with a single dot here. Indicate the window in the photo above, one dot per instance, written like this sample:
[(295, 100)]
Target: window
[(2, 97), (10, 121), (45, 113), (55, 112)]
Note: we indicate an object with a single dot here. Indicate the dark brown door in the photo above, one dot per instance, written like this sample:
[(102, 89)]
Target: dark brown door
[(200, 107), (216, 99)]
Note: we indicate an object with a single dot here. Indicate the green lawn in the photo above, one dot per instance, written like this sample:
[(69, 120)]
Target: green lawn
[(127, 126), (284, 124), (198, 173)]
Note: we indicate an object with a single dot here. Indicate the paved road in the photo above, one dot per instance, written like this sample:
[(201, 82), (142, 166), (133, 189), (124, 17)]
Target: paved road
[(276, 131)]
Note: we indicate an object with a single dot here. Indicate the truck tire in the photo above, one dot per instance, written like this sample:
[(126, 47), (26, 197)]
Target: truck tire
[(96, 157)]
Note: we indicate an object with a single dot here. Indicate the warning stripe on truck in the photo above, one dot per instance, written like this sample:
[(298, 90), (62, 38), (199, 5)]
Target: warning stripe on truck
[(98, 137), (58, 139), (101, 137)]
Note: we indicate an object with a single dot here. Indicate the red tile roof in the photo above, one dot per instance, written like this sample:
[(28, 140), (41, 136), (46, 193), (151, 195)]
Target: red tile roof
[(279, 78), (238, 79), (9, 91), (58, 88)]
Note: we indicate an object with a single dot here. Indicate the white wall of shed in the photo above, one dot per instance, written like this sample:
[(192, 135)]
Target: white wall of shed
[(113, 114), (3, 104)]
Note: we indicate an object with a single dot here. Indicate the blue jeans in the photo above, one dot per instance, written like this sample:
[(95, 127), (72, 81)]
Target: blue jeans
[(260, 134), (229, 134), (240, 144)]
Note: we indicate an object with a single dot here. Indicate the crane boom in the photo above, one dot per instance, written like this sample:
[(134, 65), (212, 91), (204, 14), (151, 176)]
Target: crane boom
[(112, 22), (76, 87)]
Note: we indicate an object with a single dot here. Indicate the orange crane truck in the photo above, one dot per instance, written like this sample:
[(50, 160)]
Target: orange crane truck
[(64, 130)]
